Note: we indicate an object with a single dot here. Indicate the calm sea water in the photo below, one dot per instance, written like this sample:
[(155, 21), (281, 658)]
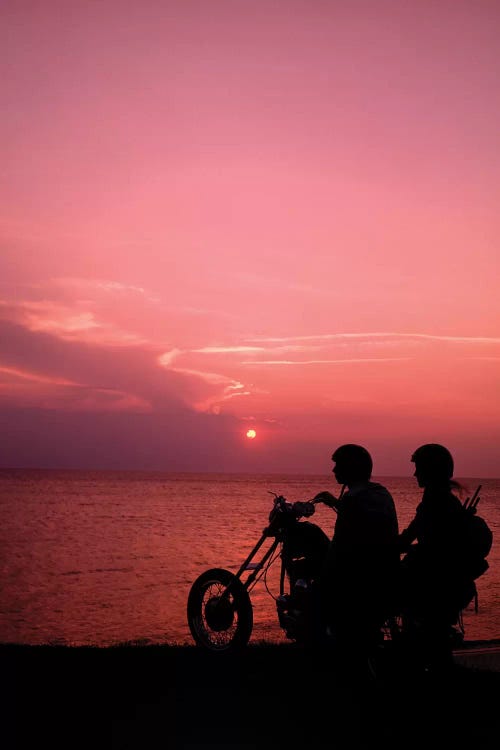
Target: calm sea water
[(106, 557)]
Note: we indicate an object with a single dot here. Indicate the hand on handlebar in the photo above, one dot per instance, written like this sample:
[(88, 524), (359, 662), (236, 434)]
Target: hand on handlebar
[(326, 498)]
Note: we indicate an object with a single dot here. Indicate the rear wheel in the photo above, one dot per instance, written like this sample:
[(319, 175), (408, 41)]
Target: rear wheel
[(219, 611)]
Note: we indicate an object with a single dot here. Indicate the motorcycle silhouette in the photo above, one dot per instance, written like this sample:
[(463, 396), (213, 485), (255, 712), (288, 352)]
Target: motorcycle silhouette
[(219, 609)]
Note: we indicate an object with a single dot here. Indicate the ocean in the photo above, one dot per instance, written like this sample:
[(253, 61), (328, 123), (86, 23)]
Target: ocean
[(101, 558)]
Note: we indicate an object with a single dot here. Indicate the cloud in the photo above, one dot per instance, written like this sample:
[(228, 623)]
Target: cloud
[(346, 360), (388, 336), (225, 388), (35, 377), (167, 358), (82, 348), (229, 349), (78, 374), (71, 285), (66, 322), (51, 396)]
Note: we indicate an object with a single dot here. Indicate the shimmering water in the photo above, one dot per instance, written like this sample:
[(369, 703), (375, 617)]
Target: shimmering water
[(105, 557)]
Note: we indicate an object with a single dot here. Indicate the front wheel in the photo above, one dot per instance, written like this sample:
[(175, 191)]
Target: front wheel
[(219, 611)]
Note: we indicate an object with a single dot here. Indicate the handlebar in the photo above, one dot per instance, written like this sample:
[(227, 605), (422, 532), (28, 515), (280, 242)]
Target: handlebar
[(298, 509), (303, 508)]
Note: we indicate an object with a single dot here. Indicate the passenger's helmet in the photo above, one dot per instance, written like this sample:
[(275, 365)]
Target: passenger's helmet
[(435, 460)]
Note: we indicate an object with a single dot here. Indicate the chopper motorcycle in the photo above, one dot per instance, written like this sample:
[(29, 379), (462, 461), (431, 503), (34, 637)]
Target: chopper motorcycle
[(219, 608)]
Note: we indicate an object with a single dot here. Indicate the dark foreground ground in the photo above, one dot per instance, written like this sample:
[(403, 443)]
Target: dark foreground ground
[(269, 696)]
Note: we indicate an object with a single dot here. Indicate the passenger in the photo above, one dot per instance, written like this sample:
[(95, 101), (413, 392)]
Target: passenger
[(433, 587)]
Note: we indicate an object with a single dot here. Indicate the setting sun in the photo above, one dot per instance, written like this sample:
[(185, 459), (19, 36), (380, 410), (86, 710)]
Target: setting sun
[(251, 434)]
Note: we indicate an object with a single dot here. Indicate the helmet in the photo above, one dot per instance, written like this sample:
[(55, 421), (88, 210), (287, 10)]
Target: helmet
[(355, 458), (435, 459)]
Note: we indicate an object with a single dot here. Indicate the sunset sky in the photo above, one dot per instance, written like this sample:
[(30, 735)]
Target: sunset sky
[(279, 215)]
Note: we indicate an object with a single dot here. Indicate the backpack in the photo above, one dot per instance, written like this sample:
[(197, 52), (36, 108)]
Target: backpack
[(478, 538)]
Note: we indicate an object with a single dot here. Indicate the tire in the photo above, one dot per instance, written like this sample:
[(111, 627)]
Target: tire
[(219, 622)]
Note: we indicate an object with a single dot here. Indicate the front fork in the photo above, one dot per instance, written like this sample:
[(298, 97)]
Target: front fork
[(256, 567)]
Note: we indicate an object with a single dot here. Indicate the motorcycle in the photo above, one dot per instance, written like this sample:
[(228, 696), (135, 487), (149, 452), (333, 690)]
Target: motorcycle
[(219, 609)]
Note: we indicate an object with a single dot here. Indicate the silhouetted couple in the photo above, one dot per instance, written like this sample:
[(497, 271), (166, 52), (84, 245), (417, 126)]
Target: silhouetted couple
[(364, 580)]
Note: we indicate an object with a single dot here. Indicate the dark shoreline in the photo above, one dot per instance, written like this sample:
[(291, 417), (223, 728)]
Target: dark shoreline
[(267, 696)]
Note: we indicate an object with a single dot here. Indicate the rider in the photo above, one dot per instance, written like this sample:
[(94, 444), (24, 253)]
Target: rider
[(361, 566), (433, 588)]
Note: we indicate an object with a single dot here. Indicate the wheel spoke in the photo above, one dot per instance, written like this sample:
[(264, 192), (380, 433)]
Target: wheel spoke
[(219, 620)]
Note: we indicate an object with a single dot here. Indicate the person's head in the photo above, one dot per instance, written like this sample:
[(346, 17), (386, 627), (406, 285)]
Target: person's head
[(353, 464), (433, 465)]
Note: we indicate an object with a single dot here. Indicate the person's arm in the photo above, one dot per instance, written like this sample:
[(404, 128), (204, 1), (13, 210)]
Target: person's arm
[(408, 536), (328, 499)]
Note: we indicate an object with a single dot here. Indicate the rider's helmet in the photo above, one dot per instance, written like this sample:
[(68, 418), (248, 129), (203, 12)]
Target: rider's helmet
[(433, 461), (353, 462)]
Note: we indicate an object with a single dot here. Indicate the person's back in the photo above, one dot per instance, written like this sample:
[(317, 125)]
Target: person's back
[(357, 586), (436, 527)]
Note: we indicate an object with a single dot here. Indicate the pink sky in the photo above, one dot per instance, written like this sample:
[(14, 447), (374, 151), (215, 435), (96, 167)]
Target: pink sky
[(223, 215)]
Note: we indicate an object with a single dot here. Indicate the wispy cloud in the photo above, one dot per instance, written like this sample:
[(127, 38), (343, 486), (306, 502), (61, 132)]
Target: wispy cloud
[(68, 322), (97, 318), (36, 377), (347, 360), (389, 335), (335, 350), (28, 388), (99, 285), (229, 349), (228, 387), (214, 378), (166, 359)]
